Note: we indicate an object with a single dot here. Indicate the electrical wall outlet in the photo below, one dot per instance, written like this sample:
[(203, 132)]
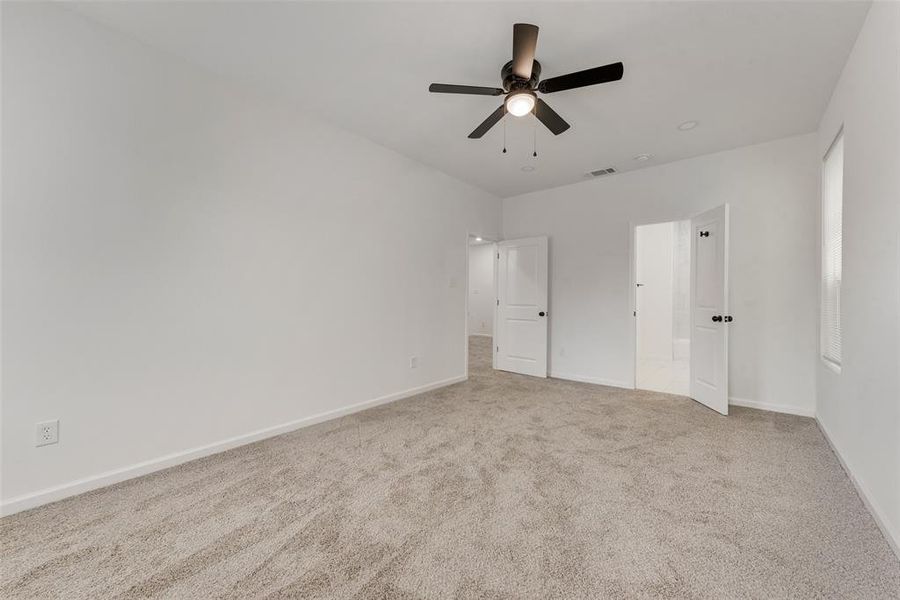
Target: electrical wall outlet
[(47, 433), (413, 362)]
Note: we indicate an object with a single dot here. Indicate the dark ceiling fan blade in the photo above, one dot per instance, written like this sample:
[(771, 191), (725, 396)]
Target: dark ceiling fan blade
[(604, 74), (449, 88), (489, 122), (524, 43), (549, 118)]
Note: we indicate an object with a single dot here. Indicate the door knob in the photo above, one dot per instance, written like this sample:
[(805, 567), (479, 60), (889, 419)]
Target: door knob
[(728, 319), (717, 318), (541, 314)]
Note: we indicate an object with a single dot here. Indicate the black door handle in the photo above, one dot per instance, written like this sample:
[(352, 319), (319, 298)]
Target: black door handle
[(728, 319), (541, 314), (717, 318)]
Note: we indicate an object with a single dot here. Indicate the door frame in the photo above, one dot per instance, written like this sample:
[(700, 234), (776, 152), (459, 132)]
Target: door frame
[(493, 239), (632, 288)]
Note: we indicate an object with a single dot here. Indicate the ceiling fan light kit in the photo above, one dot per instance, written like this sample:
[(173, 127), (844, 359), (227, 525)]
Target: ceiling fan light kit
[(520, 103), (521, 83)]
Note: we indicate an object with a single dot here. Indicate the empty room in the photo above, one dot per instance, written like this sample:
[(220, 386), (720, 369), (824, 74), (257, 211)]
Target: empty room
[(450, 300)]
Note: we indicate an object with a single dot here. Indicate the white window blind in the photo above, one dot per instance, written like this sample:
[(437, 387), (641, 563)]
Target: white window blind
[(832, 208)]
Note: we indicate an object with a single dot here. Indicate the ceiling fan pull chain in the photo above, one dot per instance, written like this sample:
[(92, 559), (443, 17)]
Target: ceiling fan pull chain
[(504, 136), (534, 140)]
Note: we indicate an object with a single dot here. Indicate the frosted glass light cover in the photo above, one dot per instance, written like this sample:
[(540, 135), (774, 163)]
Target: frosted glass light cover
[(519, 105)]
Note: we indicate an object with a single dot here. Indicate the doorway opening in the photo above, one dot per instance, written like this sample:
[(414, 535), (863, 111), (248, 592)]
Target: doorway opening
[(662, 275), (506, 303), (481, 300)]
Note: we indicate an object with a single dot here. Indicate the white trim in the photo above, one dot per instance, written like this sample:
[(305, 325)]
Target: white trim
[(787, 409), (632, 299), (494, 326), (469, 236), (593, 380), (830, 364), (632, 293), (492, 240), (35, 499), (892, 537), (835, 366)]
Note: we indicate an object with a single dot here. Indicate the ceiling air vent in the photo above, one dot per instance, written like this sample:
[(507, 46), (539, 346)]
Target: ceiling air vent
[(602, 172)]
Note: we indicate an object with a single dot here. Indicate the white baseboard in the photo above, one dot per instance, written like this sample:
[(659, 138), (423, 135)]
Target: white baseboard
[(594, 380), (779, 408), (482, 334), (35, 499), (892, 537)]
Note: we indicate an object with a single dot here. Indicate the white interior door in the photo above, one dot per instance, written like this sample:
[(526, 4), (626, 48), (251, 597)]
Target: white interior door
[(520, 336), (709, 309)]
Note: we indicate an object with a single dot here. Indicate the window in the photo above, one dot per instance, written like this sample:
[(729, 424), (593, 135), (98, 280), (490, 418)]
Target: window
[(832, 209)]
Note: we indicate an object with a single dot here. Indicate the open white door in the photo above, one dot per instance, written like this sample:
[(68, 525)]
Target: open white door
[(520, 326), (709, 309)]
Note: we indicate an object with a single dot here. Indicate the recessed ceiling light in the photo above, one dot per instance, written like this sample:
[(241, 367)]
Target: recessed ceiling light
[(528, 168), (478, 239), (642, 157), (688, 125)]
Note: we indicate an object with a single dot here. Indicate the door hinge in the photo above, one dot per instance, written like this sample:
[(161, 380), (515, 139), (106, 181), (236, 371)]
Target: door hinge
[(635, 314), (498, 301), (498, 256), (498, 349)]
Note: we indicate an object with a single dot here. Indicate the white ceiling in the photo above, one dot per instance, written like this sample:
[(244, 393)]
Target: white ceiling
[(747, 71)]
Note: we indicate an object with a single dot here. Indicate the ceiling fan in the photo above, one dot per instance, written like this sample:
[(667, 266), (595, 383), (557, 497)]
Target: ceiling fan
[(520, 78)]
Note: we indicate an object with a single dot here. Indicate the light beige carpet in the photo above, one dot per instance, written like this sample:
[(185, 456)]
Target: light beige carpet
[(502, 487)]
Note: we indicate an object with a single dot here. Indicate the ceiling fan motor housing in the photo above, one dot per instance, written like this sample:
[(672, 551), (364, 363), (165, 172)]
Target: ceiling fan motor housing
[(511, 83)]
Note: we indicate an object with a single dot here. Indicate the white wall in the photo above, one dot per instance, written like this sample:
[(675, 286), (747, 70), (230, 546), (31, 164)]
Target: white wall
[(164, 281), (481, 289), (654, 269), (859, 408), (773, 192)]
